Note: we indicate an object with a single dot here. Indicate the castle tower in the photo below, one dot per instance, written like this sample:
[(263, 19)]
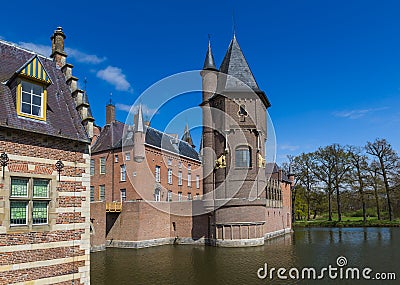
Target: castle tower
[(209, 76), (234, 131)]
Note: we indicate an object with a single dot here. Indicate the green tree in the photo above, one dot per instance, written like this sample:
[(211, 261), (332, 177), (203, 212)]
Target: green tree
[(388, 161)]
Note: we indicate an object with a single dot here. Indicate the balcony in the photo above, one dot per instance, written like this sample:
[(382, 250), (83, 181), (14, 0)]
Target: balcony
[(113, 207)]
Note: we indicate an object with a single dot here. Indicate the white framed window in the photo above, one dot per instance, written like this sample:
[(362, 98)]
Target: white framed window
[(189, 196), (32, 99), (197, 181), (158, 173), (157, 195), (169, 162), (123, 195), (127, 156), (179, 196), (169, 196), (169, 176), (180, 178), (197, 196), (123, 172), (116, 158), (189, 167), (29, 201), (102, 165), (102, 192), (92, 168), (189, 180), (180, 164)]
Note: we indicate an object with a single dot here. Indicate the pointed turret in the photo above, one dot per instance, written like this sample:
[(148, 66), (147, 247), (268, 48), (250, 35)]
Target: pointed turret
[(139, 136), (209, 63), (139, 123), (187, 137)]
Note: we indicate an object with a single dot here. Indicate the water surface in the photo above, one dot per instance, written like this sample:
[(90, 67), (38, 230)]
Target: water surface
[(377, 248)]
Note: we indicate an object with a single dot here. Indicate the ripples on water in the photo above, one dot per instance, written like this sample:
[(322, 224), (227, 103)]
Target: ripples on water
[(377, 248)]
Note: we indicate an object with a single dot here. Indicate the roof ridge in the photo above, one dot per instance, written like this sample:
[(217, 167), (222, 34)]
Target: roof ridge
[(15, 45), (169, 135)]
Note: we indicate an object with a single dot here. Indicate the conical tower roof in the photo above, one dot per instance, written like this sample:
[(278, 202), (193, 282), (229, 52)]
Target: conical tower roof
[(187, 137), (209, 63), (235, 65)]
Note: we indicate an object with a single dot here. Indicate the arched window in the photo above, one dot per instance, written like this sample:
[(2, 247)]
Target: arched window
[(243, 157)]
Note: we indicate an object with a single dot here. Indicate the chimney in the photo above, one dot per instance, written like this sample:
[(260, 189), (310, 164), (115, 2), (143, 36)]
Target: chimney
[(57, 47), (110, 113)]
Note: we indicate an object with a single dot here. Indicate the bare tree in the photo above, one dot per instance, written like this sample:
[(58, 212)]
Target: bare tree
[(388, 160)]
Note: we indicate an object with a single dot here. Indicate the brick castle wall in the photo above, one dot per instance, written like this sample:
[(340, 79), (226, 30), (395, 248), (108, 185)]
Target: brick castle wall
[(59, 251)]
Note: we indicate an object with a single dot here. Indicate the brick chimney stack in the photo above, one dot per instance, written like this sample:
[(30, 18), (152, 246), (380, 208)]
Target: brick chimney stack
[(110, 113), (57, 47)]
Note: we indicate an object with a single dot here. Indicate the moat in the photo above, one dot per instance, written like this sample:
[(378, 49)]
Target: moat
[(376, 248)]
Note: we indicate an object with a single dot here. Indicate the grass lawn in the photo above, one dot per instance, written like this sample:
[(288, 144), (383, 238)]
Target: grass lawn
[(347, 221)]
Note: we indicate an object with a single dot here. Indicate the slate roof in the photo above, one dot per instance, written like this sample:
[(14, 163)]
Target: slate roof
[(235, 64), (209, 63), (111, 138), (62, 118)]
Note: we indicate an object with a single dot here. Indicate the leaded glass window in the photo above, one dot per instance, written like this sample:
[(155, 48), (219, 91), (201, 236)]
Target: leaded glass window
[(18, 212), (19, 187), (40, 188), (39, 212)]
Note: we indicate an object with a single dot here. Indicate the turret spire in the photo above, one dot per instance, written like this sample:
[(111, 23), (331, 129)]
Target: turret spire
[(187, 137), (209, 63), (139, 127)]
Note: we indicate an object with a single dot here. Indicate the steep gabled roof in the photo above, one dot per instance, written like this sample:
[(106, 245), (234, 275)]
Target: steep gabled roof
[(235, 65), (62, 118)]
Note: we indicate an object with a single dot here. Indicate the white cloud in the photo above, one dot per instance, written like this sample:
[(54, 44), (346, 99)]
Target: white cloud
[(356, 114), (114, 76), (78, 55), (84, 57), (127, 108), (41, 49), (289, 147)]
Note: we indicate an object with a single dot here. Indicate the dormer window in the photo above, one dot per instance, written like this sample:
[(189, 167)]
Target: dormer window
[(31, 100), (32, 80)]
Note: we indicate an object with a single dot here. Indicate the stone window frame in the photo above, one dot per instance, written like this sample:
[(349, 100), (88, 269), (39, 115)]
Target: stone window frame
[(170, 176), (102, 197), (247, 148), (122, 172), (127, 156), (123, 194), (102, 165), (92, 167), (198, 181), (157, 175), (169, 196), (51, 203), (179, 178), (179, 196)]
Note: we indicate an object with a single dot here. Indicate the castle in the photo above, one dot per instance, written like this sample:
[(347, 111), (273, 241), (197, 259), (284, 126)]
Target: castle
[(240, 201)]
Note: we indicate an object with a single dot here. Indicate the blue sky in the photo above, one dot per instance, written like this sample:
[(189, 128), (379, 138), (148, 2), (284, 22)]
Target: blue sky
[(331, 69)]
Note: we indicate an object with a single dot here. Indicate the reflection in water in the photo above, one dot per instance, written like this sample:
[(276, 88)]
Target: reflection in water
[(185, 264)]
